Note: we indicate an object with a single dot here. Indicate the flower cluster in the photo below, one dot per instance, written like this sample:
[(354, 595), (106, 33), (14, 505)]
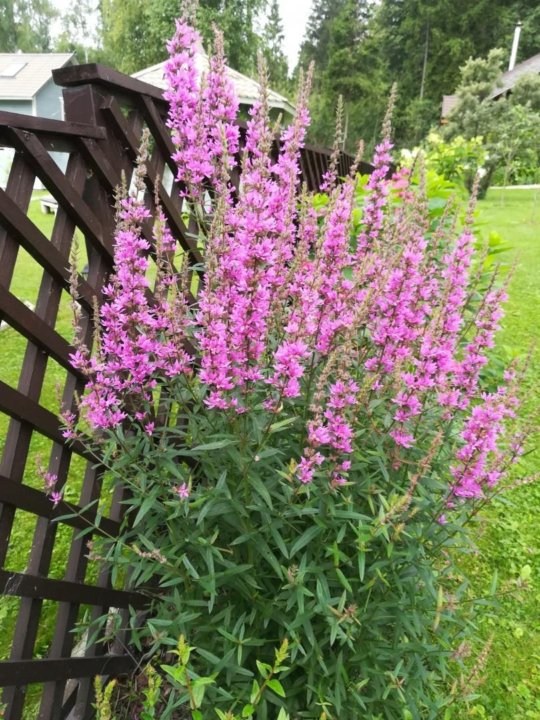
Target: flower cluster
[(202, 110), (142, 336), (481, 460), (342, 322)]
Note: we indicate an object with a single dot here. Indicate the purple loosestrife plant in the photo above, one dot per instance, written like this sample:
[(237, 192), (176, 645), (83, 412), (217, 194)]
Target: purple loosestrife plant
[(305, 469)]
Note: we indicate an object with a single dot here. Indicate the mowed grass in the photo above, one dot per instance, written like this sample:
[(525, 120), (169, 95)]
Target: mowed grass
[(508, 535)]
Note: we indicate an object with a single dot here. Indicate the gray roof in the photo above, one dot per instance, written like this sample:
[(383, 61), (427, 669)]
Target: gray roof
[(23, 84), (247, 90), (507, 82), (510, 77)]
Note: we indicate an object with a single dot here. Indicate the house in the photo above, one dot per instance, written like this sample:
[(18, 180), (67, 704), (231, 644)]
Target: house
[(27, 87), (247, 90), (510, 77), (26, 84), (507, 82)]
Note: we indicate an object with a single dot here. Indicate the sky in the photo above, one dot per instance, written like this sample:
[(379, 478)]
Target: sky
[(294, 14)]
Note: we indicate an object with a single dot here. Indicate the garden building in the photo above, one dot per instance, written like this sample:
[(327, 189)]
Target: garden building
[(247, 90)]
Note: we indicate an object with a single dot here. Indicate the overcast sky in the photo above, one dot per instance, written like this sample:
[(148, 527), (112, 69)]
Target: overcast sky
[(294, 14)]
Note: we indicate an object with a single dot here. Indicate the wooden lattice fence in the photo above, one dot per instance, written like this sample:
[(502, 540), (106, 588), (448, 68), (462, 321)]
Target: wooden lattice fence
[(48, 582)]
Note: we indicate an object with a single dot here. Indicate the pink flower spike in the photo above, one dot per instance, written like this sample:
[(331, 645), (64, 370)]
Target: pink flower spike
[(55, 498), (182, 490)]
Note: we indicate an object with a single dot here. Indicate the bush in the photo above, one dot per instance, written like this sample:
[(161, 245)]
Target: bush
[(305, 446)]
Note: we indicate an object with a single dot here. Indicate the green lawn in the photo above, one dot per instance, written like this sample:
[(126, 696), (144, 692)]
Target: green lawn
[(508, 533)]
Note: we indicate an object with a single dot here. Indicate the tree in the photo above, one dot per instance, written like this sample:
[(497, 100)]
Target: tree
[(26, 25), (509, 127), (135, 31), (341, 41), (272, 44), (81, 32), (424, 45)]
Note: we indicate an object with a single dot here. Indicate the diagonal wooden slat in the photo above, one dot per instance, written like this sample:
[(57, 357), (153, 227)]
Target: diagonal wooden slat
[(60, 188), (36, 244), (33, 586), (17, 672), (28, 324), (22, 408), (20, 496)]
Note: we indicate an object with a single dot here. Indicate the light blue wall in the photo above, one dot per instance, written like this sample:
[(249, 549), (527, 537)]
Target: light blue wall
[(48, 101), (48, 104), (17, 106)]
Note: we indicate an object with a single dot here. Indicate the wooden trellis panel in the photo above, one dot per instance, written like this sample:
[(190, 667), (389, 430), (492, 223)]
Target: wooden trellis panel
[(105, 115)]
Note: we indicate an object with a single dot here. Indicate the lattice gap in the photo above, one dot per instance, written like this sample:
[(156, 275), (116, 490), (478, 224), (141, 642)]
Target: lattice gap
[(13, 350), (49, 609), (9, 609), (20, 541), (26, 279), (39, 452), (64, 319)]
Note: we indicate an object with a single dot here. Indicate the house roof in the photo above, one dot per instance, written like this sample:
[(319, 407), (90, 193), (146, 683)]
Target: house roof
[(510, 77), (247, 89), (22, 75), (507, 82)]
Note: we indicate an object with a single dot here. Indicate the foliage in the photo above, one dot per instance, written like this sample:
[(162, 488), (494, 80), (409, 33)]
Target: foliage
[(509, 129), (25, 25), (340, 41), (422, 45), (155, 700), (312, 475), (458, 161), (134, 31), (272, 45), (79, 34)]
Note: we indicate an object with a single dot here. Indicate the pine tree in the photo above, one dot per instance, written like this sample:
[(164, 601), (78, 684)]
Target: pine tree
[(340, 40), (272, 42)]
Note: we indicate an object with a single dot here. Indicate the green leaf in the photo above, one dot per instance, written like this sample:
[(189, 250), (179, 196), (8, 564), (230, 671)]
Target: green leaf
[(216, 445), (264, 668), (306, 537), (197, 693), (248, 710), (254, 691), (145, 507), (361, 564), (261, 490), (282, 424), (277, 687), (343, 580)]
